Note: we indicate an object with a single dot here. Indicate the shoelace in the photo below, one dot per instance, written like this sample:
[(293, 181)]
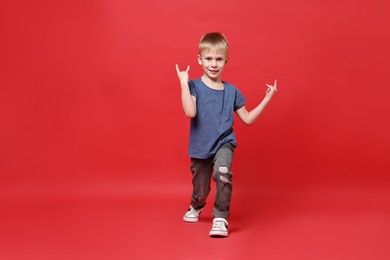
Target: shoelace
[(193, 211), (218, 224)]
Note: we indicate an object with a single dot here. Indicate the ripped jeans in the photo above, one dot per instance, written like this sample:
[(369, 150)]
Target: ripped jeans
[(217, 167)]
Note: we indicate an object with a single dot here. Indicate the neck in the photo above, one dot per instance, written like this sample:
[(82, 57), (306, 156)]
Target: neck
[(213, 83)]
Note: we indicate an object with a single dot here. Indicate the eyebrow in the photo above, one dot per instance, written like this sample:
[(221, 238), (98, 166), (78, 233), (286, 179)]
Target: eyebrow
[(217, 57)]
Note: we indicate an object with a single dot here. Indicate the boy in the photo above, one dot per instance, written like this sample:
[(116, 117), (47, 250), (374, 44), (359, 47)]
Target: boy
[(210, 103)]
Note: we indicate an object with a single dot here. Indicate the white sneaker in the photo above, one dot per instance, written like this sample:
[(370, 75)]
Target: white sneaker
[(219, 228), (192, 215)]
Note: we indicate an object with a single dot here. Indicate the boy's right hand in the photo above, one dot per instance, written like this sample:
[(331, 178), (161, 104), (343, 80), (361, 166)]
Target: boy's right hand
[(183, 75)]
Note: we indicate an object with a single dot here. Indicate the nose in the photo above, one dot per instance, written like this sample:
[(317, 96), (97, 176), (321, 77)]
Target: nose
[(214, 63)]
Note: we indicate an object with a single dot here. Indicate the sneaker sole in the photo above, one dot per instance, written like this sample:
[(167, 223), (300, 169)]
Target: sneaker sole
[(190, 220), (218, 233)]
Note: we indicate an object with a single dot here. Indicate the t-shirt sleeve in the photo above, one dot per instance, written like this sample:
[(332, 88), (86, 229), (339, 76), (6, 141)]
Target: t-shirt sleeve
[(239, 100), (193, 91)]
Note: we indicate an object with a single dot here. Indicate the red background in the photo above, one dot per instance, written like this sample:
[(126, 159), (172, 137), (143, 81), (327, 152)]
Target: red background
[(93, 140)]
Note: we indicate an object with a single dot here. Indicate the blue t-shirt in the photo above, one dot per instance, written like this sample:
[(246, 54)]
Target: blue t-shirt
[(212, 126)]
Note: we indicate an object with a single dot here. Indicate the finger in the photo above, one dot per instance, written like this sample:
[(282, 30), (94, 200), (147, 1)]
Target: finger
[(177, 69), (276, 82), (188, 68)]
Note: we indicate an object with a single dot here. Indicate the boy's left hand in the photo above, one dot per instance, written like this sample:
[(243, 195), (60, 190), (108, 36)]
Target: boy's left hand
[(271, 89)]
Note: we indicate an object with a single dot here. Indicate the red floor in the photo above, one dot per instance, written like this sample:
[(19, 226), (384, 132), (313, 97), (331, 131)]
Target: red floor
[(124, 220)]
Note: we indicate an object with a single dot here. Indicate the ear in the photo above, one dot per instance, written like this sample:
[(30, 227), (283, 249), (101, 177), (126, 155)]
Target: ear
[(199, 60), (227, 59)]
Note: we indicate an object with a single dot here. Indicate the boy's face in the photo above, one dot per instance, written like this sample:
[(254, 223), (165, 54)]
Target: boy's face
[(213, 62)]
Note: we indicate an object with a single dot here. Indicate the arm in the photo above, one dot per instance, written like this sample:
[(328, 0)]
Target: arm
[(249, 117), (188, 101)]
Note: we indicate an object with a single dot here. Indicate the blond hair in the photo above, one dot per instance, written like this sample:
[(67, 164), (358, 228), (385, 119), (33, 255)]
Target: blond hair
[(213, 40)]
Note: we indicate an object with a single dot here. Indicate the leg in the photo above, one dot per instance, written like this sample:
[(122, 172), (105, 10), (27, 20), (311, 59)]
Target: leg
[(201, 175), (223, 178)]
